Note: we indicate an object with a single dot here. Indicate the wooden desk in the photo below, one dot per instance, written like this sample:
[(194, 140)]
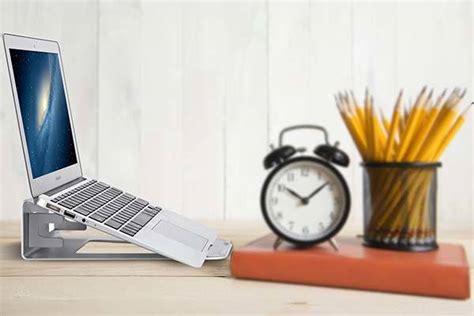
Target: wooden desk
[(134, 287)]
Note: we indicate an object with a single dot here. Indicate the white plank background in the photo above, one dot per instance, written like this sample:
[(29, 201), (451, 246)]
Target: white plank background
[(162, 103), (2, 121), (179, 101)]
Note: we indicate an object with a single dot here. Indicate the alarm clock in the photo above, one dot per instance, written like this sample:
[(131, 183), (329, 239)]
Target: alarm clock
[(305, 199)]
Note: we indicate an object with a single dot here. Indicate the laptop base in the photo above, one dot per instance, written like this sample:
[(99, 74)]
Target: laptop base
[(44, 237)]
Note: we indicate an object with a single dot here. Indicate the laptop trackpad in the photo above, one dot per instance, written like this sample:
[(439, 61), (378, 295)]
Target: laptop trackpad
[(180, 234)]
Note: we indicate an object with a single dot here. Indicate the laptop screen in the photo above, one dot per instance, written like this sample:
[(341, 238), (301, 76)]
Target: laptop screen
[(44, 111)]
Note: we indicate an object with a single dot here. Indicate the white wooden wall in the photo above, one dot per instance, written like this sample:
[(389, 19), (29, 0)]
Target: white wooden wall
[(179, 101)]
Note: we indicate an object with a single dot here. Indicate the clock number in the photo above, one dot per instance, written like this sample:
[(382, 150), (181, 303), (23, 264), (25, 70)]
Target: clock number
[(274, 200), (291, 224), (304, 172), (280, 187), (305, 230), (337, 201), (291, 177), (279, 215), (332, 215), (321, 226)]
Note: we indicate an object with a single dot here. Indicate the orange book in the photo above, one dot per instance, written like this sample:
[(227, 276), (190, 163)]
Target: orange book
[(442, 273)]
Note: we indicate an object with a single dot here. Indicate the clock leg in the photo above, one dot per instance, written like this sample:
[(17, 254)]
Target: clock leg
[(277, 243), (333, 243)]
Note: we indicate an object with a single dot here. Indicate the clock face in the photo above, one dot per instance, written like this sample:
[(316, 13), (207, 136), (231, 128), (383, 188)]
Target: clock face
[(305, 200)]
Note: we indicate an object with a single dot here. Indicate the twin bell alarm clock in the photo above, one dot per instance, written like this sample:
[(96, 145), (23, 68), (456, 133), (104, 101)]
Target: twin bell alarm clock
[(305, 199)]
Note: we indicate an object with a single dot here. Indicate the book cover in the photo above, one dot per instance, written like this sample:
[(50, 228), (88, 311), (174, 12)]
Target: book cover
[(441, 273)]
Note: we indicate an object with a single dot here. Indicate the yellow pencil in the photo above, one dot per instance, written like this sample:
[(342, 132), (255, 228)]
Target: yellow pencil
[(394, 126), (421, 132)]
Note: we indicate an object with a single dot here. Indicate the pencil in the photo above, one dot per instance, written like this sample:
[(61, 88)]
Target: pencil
[(420, 131)]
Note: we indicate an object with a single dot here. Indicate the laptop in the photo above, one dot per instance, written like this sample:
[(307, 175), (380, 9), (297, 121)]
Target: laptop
[(54, 169)]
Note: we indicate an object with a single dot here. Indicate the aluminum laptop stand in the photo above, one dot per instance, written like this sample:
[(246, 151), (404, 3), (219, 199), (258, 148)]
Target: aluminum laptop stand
[(43, 238)]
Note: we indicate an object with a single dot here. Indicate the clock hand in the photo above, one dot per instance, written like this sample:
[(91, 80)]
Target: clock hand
[(299, 197), (316, 191)]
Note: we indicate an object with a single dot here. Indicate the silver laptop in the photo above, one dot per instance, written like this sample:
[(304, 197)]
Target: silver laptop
[(54, 169)]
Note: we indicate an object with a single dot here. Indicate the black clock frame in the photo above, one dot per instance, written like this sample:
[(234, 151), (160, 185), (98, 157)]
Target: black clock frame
[(305, 243)]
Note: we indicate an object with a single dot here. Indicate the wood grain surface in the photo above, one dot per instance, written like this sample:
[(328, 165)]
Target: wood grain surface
[(147, 287)]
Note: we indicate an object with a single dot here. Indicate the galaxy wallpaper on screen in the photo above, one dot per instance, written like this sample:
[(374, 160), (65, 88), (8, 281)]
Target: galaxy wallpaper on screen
[(44, 111)]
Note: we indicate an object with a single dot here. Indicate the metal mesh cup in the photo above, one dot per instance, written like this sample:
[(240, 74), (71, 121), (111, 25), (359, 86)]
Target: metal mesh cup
[(400, 205)]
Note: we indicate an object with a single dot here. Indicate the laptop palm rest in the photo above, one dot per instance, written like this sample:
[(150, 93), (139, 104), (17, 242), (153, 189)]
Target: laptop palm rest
[(180, 235)]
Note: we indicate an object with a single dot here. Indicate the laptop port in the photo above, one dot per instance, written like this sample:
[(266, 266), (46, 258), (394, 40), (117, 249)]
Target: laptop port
[(53, 207), (69, 214)]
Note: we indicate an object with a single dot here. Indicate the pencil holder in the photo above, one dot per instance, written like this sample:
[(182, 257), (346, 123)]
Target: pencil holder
[(400, 205)]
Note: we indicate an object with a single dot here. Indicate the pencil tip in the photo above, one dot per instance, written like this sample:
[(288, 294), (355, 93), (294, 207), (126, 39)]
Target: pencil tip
[(430, 94), (464, 113)]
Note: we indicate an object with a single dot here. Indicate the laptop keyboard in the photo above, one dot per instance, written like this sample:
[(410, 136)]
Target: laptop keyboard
[(97, 202), (112, 207), (69, 193), (79, 198), (108, 205)]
